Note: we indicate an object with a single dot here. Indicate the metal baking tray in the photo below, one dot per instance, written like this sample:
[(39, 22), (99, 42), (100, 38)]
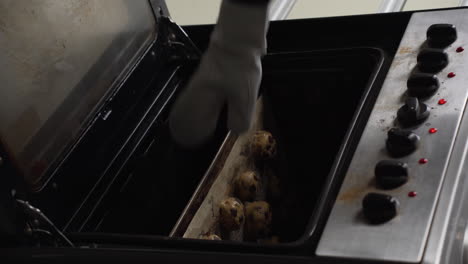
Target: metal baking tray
[(311, 103)]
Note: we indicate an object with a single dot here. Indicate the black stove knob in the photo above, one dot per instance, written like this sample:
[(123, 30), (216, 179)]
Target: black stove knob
[(413, 112), (441, 35), (432, 60), (391, 174), (401, 142), (422, 85), (379, 208)]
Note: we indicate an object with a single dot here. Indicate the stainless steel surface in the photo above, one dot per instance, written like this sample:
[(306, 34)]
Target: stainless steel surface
[(62, 54), (465, 246), (388, 6), (404, 238), (280, 9), (446, 236), (463, 3)]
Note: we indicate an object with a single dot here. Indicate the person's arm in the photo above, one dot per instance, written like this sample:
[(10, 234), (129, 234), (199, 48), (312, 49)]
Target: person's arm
[(229, 73)]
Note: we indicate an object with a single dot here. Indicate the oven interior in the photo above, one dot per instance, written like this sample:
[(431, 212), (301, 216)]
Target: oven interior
[(312, 99)]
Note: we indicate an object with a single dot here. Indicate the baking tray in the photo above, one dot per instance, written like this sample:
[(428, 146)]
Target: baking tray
[(314, 104)]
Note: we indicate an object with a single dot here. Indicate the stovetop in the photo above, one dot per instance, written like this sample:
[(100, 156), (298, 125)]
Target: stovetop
[(387, 202), (410, 222)]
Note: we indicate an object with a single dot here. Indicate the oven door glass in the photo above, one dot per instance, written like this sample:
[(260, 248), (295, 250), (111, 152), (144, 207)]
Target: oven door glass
[(58, 60)]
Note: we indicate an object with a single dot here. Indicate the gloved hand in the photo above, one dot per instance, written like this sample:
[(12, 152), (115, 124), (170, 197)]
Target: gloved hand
[(229, 73)]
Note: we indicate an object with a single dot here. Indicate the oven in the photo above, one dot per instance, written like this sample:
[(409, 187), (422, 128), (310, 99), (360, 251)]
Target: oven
[(363, 118)]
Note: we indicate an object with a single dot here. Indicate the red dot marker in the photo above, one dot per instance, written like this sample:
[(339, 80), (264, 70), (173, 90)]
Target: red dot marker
[(460, 49), (423, 161), (451, 75), (433, 130), (442, 101), (412, 194)]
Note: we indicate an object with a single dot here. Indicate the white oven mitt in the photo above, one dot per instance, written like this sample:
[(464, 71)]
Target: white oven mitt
[(229, 73)]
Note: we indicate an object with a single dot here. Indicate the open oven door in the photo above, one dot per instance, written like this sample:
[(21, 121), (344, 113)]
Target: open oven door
[(86, 120), (83, 51)]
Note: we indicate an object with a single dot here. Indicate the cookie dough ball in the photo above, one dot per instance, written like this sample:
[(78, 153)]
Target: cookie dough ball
[(210, 237), (258, 220), (263, 145), (246, 185), (231, 214)]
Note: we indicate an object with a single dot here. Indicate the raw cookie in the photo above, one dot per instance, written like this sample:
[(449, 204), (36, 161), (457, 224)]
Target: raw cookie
[(258, 220), (231, 214), (246, 185), (263, 145)]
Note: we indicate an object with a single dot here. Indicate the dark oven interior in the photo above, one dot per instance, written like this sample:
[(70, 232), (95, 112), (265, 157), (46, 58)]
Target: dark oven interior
[(312, 99)]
